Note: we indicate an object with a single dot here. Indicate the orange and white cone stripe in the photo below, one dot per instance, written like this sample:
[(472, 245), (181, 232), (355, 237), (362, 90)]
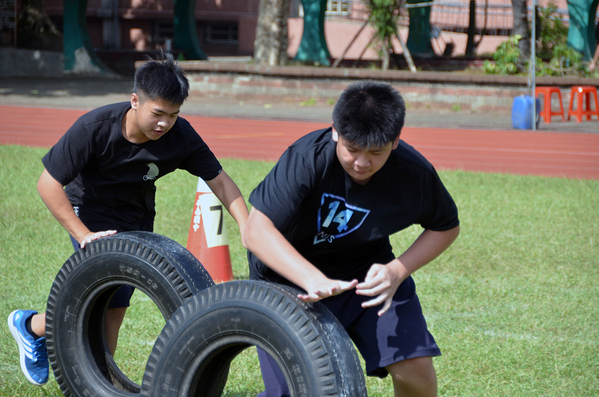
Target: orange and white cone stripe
[(208, 240)]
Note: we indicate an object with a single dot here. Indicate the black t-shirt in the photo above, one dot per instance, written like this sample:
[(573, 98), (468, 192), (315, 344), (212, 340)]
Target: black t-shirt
[(338, 225), (110, 179)]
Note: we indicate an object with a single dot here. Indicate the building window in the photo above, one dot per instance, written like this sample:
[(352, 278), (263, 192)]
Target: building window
[(337, 7), (334, 7), (221, 33), (162, 31)]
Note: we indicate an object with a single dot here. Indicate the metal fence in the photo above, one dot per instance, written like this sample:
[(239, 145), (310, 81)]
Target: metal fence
[(450, 16)]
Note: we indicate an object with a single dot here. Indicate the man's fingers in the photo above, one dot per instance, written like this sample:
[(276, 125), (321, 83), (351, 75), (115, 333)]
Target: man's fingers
[(106, 233), (321, 294), (372, 273), (374, 302), (341, 287), (378, 301), (370, 290), (311, 297), (347, 285), (96, 236), (385, 307), (307, 298), (372, 280)]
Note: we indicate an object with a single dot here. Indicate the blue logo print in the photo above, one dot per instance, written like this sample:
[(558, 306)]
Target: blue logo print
[(336, 218)]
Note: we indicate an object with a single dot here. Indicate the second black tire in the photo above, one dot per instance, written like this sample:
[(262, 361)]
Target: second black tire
[(156, 265), (198, 343)]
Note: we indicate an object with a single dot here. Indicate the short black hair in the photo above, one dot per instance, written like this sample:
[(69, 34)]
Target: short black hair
[(369, 114), (161, 79)]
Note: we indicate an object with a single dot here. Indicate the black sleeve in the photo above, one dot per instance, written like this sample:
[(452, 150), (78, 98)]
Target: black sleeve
[(201, 162), (439, 211), (71, 153), (280, 195)]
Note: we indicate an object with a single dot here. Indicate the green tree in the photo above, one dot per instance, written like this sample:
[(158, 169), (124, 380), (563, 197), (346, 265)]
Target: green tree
[(507, 58), (552, 32), (564, 61), (384, 17)]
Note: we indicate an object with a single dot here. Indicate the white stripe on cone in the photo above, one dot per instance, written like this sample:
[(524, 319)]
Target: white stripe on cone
[(208, 240)]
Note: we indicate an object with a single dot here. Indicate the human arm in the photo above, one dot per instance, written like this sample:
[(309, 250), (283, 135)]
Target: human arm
[(269, 245), (382, 281), (225, 189), (55, 198)]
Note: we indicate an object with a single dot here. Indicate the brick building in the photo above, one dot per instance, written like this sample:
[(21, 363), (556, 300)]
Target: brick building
[(119, 28)]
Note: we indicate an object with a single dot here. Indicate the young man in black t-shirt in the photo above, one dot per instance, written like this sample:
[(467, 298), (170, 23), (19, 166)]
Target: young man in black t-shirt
[(109, 161), (321, 221)]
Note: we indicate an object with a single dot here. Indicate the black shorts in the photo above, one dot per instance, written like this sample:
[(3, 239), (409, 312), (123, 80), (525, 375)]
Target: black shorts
[(399, 334)]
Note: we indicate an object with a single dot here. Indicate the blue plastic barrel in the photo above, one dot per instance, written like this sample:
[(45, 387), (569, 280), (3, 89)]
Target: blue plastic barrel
[(522, 112)]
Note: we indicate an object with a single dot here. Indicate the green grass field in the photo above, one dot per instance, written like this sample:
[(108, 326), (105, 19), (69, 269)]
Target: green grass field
[(514, 303)]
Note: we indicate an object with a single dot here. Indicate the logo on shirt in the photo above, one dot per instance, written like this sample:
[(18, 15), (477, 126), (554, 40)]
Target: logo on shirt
[(152, 172), (336, 218)]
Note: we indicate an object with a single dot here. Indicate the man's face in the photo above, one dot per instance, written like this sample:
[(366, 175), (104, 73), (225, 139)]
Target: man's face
[(154, 117), (361, 164)]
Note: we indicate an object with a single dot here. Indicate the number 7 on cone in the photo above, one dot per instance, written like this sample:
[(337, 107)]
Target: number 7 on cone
[(208, 240)]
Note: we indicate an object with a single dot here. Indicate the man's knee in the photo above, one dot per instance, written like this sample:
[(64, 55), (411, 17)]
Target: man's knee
[(414, 377)]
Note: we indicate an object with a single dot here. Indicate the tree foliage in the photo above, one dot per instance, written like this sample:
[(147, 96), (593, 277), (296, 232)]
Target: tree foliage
[(564, 61), (552, 32), (384, 17), (506, 56), (554, 56)]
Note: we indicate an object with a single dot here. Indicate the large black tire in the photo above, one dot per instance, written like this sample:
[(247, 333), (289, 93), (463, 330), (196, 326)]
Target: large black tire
[(310, 346), (81, 292)]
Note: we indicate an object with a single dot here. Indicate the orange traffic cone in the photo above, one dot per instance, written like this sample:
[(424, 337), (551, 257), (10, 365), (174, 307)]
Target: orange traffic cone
[(207, 238)]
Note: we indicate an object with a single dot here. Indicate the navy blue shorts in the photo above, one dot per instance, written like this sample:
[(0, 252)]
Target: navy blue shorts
[(122, 296), (399, 334)]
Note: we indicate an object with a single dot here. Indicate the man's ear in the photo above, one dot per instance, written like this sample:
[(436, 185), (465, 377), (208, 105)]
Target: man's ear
[(335, 135), (134, 101), (396, 143)]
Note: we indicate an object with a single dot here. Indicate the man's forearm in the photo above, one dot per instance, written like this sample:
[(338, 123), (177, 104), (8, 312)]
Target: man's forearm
[(54, 197), (225, 189), (265, 241), (428, 246)]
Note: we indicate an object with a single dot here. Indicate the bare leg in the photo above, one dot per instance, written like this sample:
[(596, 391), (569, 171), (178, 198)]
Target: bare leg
[(415, 377), (38, 324), (114, 320)]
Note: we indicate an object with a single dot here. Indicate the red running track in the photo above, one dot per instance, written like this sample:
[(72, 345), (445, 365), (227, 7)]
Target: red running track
[(570, 155)]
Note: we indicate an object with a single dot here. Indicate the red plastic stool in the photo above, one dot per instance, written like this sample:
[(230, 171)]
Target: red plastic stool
[(546, 113), (583, 97)]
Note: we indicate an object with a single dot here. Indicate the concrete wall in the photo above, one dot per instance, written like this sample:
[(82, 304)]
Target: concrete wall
[(434, 90), (418, 94), (424, 89), (16, 62)]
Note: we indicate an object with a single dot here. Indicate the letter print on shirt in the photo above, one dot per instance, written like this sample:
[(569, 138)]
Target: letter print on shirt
[(152, 172), (336, 218)]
